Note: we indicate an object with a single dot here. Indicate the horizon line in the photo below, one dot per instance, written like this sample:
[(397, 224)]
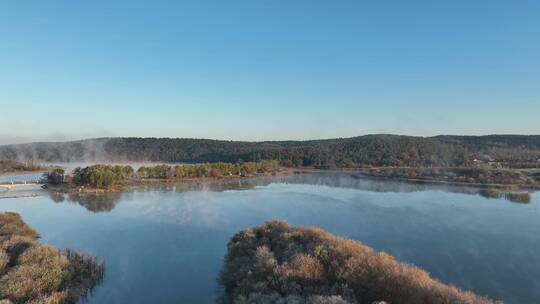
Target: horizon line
[(259, 141)]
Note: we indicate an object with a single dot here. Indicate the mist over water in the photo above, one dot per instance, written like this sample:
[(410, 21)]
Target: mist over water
[(91, 150), (165, 243)]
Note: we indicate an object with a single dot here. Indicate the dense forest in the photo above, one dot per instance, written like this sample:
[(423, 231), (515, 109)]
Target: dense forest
[(368, 150)]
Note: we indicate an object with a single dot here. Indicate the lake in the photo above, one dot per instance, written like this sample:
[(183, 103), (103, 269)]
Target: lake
[(165, 244), (23, 177)]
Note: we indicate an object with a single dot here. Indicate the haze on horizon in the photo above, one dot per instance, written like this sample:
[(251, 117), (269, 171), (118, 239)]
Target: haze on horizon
[(267, 70)]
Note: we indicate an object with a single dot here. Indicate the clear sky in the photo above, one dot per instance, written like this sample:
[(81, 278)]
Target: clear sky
[(263, 70)]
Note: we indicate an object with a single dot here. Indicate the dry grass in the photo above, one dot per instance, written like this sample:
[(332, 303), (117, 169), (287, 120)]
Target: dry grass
[(53, 298), (15, 245), (276, 263), (4, 260), (12, 224), (39, 271), (33, 273)]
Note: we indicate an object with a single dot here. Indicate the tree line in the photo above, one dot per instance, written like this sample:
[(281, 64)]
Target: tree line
[(369, 150), (104, 176)]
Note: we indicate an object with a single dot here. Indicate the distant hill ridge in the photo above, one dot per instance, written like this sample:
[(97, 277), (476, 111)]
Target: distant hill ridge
[(375, 150)]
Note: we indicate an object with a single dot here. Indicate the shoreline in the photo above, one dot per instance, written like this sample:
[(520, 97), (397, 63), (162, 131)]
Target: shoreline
[(363, 173), (517, 193), (450, 183), (125, 186), (357, 173)]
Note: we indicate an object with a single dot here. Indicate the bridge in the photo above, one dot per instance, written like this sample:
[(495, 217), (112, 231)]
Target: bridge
[(10, 185)]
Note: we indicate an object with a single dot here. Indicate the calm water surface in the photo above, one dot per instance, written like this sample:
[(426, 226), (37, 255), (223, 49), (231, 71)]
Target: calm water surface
[(24, 177), (166, 245)]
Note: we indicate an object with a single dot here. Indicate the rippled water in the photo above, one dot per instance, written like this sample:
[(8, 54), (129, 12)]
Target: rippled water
[(166, 245)]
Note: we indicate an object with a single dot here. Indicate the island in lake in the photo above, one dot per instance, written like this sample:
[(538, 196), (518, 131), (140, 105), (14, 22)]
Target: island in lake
[(507, 160), (274, 263)]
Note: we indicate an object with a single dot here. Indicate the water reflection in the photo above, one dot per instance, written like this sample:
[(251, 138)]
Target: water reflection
[(103, 202), (106, 202), (352, 181), (165, 243), (514, 197), (205, 185)]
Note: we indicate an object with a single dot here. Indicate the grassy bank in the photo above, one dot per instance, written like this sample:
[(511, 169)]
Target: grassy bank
[(36, 274), (277, 263)]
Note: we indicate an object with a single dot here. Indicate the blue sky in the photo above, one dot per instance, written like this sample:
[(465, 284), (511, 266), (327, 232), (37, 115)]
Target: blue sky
[(264, 70)]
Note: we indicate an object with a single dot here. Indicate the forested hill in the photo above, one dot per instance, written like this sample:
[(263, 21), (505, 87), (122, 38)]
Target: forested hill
[(500, 141), (376, 150)]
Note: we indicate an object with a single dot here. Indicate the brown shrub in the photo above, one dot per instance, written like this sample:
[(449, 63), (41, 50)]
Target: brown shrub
[(305, 267), (275, 262), (32, 273), (15, 246), (53, 298), (12, 224), (40, 271), (4, 260), (84, 272)]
